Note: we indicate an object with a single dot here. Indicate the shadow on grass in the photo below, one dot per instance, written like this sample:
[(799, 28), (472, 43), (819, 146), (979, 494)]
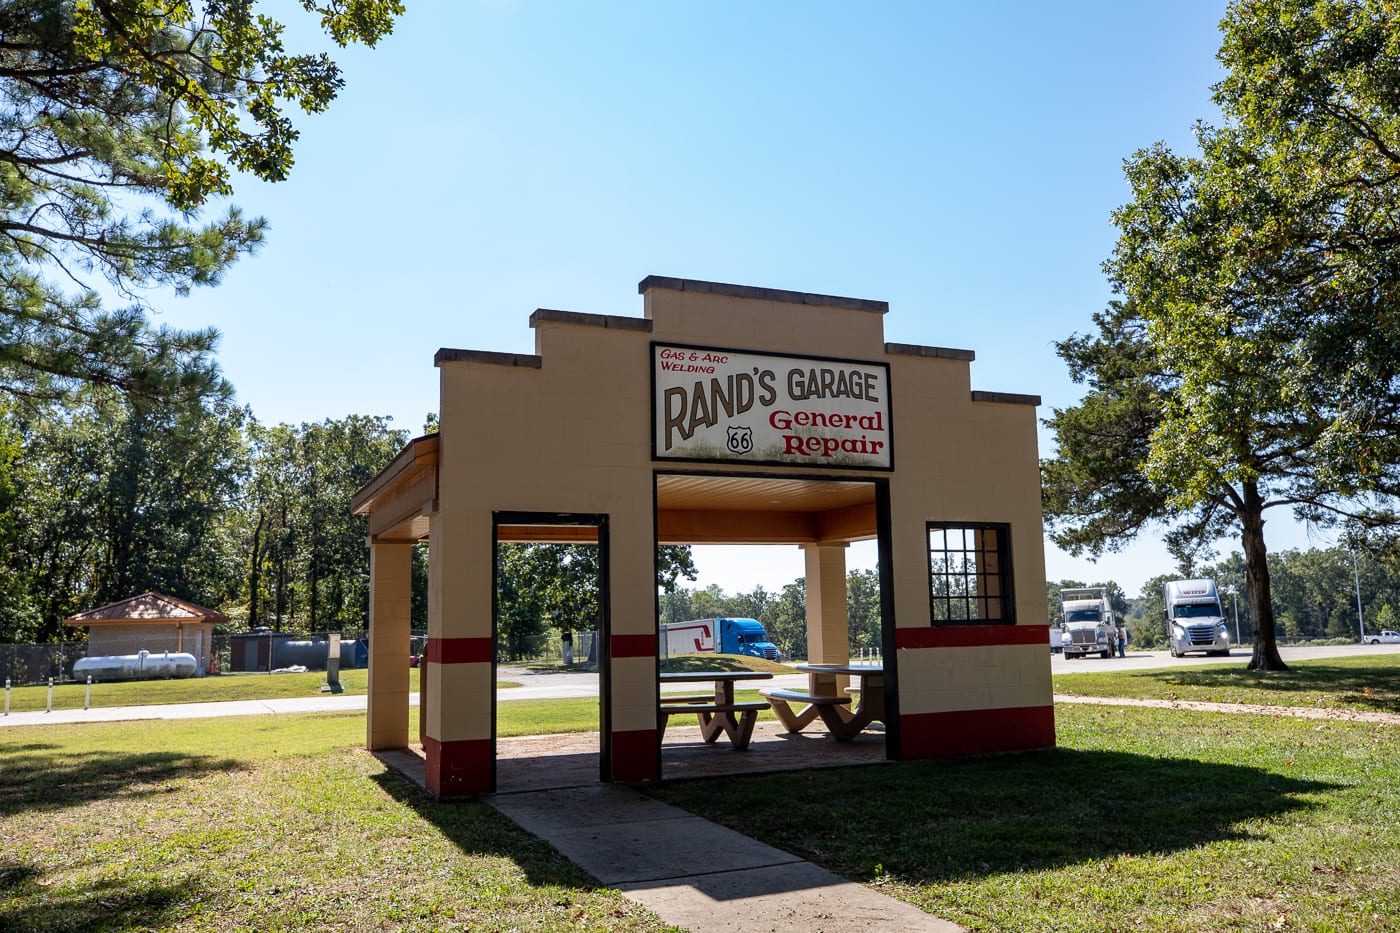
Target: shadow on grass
[(99, 905), (1348, 687), (953, 820), (44, 777), (477, 829)]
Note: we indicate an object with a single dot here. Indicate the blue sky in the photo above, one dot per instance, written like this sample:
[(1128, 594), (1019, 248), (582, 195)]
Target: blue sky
[(960, 161)]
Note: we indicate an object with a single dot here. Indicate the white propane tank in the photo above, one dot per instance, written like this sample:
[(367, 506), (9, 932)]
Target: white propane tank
[(140, 666)]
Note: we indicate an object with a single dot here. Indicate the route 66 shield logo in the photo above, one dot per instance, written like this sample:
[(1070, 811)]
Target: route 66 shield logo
[(740, 440)]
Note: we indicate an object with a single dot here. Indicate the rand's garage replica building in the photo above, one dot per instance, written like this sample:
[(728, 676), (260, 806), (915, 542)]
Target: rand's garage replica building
[(725, 414)]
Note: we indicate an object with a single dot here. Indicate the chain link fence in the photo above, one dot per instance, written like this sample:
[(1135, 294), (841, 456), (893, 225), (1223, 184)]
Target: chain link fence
[(21, 665), (579, 651)]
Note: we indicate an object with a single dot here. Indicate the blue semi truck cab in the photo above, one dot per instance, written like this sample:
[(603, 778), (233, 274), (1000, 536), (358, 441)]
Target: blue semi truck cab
[(719, 636), (746, 636)]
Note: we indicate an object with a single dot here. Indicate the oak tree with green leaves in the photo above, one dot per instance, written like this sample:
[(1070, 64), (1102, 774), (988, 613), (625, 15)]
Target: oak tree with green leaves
[(121, 123), (1252, 360), (544, 586)]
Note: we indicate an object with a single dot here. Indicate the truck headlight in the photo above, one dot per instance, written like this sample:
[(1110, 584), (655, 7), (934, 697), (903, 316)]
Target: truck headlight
[(1178, 631)]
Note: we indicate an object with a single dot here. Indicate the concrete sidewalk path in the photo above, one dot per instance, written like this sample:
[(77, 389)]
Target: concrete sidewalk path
[(696, 874)]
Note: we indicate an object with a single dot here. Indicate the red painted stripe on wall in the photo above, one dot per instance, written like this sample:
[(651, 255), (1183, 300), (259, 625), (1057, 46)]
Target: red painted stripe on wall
[(460, 650), (634, 756), (971, 636), (459, 769), (634, 646), (976, 731)]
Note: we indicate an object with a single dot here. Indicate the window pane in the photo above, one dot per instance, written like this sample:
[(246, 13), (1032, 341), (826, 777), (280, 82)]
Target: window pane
[(969, 573)]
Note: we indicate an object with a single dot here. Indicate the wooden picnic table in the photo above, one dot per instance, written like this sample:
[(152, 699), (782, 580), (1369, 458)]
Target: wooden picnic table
[(823, 700), (717, 712)]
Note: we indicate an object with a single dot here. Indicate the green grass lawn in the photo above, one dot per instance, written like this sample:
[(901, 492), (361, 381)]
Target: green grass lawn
[(545, 717), (1163, 821), (1366, 683), (262, 823), (1141, 820), (196, 690)]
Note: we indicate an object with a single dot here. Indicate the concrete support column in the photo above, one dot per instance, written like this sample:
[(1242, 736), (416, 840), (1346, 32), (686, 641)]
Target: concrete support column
[(828, 626), (459, 739), (634, 746), (390, 609)]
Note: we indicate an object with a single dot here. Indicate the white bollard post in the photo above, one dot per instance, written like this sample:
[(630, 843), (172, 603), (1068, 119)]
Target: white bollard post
[(7, 696), (87, 697), (50, 709)]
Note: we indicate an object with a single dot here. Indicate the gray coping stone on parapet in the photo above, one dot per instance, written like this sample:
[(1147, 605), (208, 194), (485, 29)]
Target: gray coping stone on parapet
[(699, 875)]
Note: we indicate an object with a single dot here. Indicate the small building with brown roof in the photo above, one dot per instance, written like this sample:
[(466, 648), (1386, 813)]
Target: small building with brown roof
[(153, 622)]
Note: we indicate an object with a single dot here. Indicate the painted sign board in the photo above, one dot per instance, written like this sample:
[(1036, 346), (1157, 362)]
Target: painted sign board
[(726, 405)]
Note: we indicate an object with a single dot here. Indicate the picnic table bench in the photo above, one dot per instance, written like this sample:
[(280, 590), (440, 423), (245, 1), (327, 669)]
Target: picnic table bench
[(840, 720), (795, 721), (718, 713)]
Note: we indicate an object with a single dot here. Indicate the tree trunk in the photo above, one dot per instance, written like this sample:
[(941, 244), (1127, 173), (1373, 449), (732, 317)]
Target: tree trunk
[(314, 601), (1256, 570), (280, 603), (254, 577)]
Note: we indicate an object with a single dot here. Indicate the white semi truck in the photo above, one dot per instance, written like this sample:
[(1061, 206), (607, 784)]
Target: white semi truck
[(1087, 623), (1195, 620)]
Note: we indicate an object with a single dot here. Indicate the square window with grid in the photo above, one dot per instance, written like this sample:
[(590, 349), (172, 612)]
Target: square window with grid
[(970, 573)]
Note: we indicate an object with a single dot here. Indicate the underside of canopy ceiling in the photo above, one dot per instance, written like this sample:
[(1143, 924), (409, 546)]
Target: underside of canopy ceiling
[(691, 508)]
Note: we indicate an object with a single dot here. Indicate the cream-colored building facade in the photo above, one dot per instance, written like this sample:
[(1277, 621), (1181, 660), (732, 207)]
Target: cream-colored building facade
[(725, 414)]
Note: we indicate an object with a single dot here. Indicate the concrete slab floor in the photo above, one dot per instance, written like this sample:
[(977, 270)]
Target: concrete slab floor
[(541, 762)]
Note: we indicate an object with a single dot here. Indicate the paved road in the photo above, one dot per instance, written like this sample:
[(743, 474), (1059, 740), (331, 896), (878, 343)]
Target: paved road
[(1149, 660), (535, 686)]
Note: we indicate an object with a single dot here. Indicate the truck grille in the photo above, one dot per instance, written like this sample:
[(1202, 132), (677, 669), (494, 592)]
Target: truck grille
[(1083, 637), (1201, 634), (770, 653)]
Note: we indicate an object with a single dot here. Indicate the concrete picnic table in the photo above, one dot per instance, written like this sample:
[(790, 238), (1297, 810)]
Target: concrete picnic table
[(718, 712), (834, 709)]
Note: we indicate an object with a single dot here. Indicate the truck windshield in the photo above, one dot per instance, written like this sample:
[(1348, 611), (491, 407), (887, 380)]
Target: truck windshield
[(1203, 611), (1082, 615)]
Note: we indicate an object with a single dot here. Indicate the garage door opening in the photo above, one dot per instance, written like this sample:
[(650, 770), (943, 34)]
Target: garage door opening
[(821, 516), (550, 571)]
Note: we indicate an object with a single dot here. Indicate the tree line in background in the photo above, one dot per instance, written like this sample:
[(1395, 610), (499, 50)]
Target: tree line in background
[(783, 614), (107, 495), (550, 589), (1314, 596)]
